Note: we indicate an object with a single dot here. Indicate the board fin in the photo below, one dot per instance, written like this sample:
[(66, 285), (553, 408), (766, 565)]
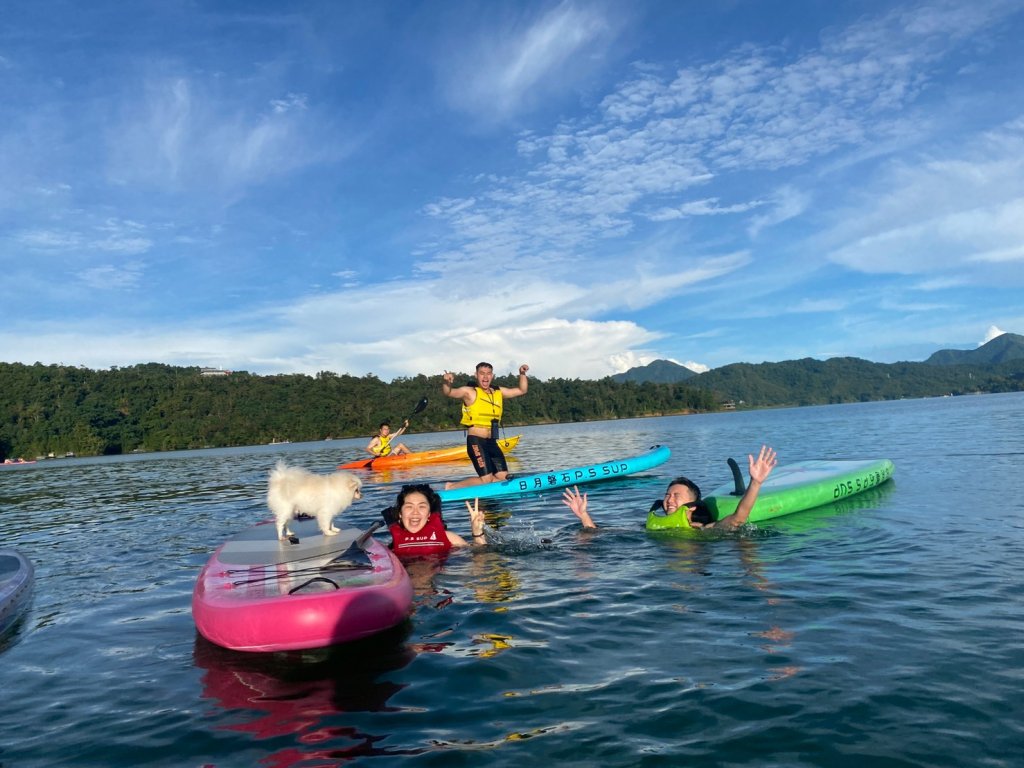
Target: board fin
[(737, 478)]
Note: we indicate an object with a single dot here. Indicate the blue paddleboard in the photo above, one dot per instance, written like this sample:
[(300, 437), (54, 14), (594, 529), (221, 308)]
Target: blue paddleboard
[(561, 478)]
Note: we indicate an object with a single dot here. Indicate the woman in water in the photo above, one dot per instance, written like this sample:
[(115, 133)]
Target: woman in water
[(418, 529)]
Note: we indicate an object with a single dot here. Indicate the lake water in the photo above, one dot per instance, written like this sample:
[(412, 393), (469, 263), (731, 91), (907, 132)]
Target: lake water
[(885, 630)]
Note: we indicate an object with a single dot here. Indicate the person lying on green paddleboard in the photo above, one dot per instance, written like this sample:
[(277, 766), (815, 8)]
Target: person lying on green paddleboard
[(683, 496)]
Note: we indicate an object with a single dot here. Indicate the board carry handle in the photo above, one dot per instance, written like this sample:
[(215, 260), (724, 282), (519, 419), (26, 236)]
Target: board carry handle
[(737, 478), (305, 584)]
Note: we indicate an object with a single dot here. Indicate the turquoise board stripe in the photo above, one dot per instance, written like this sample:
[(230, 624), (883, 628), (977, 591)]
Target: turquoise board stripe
[(561, 478)]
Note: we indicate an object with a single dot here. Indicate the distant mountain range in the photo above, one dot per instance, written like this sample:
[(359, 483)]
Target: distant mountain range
[(1008, 346)]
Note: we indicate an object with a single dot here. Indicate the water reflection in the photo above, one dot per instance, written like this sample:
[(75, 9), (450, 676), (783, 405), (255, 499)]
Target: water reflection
[(426, 593), (305, 694), (820, 520), (722, 556), (486, 574), (12, 634)]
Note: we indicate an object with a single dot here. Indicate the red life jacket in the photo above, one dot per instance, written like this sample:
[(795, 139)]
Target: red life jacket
[(432, 539)]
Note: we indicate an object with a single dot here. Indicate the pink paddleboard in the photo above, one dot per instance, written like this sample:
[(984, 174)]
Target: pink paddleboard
[(260, 594)]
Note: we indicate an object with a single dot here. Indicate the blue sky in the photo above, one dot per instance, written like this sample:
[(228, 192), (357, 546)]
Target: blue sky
[(399, 188)]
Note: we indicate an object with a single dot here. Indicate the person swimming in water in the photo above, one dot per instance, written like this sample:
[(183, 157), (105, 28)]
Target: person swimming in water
[(683, 493), (417, 528)]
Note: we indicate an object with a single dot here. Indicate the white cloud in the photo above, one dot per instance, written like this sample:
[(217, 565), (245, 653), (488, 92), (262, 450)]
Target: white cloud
[(943, 214), (992, 333), (111, 277), (553, 261), (43, 239), (695, 366), (939, 283), (210, 137), (706, 207), (293, 101), (596, 179), (783, 204), (111, 236)]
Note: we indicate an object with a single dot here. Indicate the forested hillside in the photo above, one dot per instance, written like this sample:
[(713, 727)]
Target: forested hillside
[(1005, 347), (851, 380), (152, 407)]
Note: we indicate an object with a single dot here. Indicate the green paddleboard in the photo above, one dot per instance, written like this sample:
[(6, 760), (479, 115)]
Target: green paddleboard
[(788, 489)]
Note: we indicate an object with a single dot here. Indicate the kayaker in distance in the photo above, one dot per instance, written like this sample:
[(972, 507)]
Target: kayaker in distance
[(380, 445), (417, 528), (683, 492), (482, 406)]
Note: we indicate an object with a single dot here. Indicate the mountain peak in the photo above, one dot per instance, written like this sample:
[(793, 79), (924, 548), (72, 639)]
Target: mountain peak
[(1007, 346), (658, 372)]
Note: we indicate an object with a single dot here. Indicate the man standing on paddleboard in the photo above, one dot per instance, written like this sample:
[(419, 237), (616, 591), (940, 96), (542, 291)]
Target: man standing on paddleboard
[(482, 406)]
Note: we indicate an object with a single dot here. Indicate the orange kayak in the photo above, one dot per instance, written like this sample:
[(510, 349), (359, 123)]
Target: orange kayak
[(454, 453)]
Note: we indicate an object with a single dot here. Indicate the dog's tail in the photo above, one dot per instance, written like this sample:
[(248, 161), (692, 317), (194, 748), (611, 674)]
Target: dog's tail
[(279, 469)]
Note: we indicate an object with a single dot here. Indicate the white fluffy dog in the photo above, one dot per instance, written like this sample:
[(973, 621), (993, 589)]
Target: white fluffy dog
[(294, 491)]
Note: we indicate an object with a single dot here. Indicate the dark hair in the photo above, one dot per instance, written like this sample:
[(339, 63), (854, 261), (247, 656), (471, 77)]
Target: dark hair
[(483, 365), (384, 424)]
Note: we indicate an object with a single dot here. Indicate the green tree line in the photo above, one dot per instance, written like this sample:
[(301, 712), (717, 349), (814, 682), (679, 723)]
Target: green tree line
[(852, 380), (54, 409)]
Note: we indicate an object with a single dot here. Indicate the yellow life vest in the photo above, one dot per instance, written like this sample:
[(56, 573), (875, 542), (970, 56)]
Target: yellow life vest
[(385, 445), (486, 407)]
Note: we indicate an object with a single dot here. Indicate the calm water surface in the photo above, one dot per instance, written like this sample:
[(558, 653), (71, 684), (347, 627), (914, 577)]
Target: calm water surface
[(884, 630)]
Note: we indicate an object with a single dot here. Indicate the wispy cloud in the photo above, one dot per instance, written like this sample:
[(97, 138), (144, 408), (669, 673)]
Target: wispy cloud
[(190, 133), (708, 199), (943, 214), (596, 178), (109, 277), (507, 68), (707, 207), (110, 236)]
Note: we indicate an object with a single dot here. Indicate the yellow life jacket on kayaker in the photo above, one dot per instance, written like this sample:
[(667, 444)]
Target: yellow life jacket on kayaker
[(385, 445), (486, 408)]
